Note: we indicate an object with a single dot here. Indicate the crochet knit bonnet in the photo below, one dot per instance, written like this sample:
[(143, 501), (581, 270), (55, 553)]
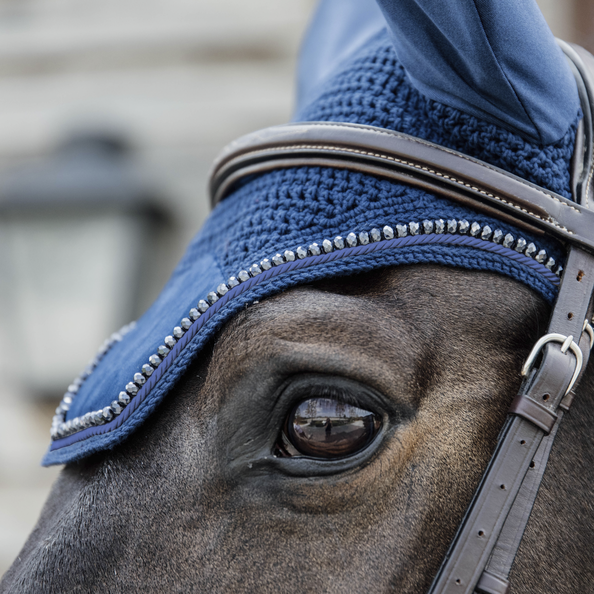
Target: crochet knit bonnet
[(255, 240)]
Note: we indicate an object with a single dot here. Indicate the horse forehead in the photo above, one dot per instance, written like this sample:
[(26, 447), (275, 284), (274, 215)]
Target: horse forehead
[(393, 305)]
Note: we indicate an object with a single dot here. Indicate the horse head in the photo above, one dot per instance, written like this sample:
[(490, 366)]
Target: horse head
[(320, 398)]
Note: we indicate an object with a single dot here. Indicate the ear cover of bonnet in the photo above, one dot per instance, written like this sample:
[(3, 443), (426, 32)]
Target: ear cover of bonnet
[(484, 78)]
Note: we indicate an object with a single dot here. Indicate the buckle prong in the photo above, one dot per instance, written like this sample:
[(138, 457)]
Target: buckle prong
[(567, 343), (589, 331)]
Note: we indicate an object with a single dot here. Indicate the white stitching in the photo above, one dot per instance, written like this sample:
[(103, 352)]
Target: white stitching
[(445, 150), (424, 168)]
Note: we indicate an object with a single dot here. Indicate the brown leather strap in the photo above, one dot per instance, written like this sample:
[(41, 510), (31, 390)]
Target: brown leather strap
[(504, 552), (480, 529), (543, 390), (407, 159), (485, 528), (491, 584), (534, 412), (498, 569)]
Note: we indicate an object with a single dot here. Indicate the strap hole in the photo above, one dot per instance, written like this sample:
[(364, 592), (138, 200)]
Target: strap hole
[(532, 465), (545, 397), (458, 581), (523, 442), (502, 486), (580, 276), (481, 533), (570, 316)]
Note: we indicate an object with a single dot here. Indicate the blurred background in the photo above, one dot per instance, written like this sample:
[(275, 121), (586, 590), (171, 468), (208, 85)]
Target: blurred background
[(111, 113)]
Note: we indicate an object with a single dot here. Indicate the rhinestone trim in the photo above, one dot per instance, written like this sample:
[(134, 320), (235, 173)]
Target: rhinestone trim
[(61, 427), (473, 232)]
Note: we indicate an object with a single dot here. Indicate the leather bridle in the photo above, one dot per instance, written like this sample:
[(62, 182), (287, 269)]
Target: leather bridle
[(482, 553)]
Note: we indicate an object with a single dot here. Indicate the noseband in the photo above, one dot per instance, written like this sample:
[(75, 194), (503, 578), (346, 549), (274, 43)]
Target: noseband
[(482, 553)]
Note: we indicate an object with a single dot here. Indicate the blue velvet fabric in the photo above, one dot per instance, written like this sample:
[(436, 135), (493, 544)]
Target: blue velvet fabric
[(339, 28), (290, 207), (494, 59), (195, 276), (373, 88)]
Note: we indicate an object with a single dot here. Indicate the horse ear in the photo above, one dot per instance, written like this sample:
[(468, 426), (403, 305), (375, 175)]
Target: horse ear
[(496, 59), (337, 30)]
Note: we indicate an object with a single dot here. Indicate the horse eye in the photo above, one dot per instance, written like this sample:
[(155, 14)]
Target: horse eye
[(327, 428)]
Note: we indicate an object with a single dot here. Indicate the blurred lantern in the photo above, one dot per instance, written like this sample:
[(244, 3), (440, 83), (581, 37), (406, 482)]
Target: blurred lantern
[(77, 233)]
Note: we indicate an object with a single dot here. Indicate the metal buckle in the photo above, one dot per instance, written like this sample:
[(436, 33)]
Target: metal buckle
[(567, 342), (589, 331)]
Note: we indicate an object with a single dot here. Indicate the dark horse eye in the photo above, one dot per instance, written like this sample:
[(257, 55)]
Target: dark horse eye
[(329, 429)]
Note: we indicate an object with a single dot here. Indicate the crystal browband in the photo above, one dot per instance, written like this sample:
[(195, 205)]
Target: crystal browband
[(427, 232)]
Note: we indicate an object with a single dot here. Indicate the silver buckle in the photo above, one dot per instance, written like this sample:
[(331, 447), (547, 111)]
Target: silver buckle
[(567, 343), (588, 330)]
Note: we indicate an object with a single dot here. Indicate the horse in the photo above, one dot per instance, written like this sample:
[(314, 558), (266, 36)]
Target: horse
[(249, 478)]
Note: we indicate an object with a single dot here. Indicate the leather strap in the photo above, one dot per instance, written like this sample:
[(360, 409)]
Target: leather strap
[(479, 531), (497, 572), (486, 532), (404, 158), (492, 584), (520, 439), (534, 412), (504, 553)]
